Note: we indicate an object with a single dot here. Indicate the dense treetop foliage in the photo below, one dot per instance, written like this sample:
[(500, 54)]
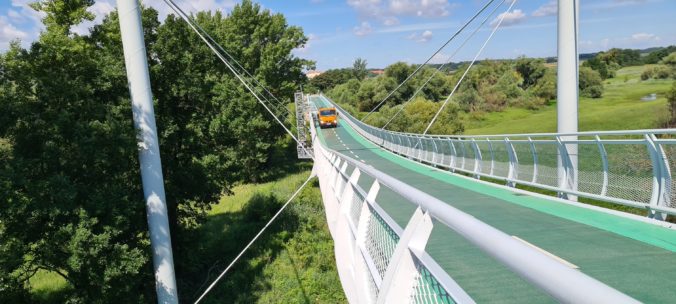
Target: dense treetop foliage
[(489, 86), (69, 177)]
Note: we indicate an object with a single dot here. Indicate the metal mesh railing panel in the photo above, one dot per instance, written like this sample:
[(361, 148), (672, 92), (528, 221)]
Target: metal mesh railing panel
[(443, 152), (454, 154), (500, 159), (426, 288), (486, 156), (670, 154), (526, 163), (469, 155), (356, 207), (630, 172), (548, 172), (340, 186), (590, 169), (372, 288), (381, 240)]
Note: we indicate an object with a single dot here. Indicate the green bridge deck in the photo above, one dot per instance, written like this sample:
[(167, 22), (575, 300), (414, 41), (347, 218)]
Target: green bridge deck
[(633, 256)]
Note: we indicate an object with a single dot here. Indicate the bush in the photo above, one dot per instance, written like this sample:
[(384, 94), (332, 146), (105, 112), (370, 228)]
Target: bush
[(595, 91), (648, 73), (662, 72), (591, 84)]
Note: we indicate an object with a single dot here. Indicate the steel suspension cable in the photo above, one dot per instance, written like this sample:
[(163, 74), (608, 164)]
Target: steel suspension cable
[(497, 26), (430, 58), (232, 58), (255, 238), (175, 8), (445, 63)]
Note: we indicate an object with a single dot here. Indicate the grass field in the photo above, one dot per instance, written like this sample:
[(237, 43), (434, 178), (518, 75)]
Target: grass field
[(620, 108), (48, 287), (292, 262)]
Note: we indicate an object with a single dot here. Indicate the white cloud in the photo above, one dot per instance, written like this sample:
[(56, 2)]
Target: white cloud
[(26, 12), (510, 18), (103, 7), (548, 9), (8, 33), (420, 8), (389, 21), (417, 27), (422, 38), (642, 37), (363, 29), (387, 11), (21, 21), (100, 9), (14, 15)]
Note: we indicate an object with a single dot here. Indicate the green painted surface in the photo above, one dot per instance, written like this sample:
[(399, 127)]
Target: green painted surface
[(635, 257)]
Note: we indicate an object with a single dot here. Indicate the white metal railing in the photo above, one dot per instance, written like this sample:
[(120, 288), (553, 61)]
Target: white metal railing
[(631, 168), (381, 262)]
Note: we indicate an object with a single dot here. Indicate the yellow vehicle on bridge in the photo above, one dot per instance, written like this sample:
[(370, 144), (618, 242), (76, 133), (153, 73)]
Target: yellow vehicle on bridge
[(327, 117)]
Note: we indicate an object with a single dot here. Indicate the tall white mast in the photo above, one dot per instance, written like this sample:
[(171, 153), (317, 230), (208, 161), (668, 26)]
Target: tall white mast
[(131, 29), (567, 87)]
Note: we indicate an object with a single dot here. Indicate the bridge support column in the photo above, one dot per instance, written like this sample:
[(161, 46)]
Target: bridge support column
[(567, 90), (133, 43)]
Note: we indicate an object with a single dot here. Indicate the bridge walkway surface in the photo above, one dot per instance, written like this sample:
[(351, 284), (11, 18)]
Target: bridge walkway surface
[(629, 254)]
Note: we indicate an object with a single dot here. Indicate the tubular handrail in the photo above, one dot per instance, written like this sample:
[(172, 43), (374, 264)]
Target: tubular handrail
[(631, 168), (560, 281)]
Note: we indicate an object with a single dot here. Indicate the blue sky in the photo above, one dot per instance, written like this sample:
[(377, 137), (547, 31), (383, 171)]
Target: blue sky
[(386, 31)]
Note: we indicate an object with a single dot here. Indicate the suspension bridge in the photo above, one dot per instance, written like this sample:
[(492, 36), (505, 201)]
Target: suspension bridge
[(425, 218)]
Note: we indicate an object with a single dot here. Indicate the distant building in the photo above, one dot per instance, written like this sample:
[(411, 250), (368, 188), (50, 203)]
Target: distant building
[(375, 73), (313, 74)]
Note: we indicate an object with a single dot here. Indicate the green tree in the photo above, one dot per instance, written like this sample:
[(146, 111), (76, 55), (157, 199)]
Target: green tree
[(600, 66), (399, 71), (531, 70), (346, 93), (657, 55), (546, 86), (70, 179), (359, 69), (68, 157), (670, 60), (330, 79), (417, 115), (671, 98), (590, 83)]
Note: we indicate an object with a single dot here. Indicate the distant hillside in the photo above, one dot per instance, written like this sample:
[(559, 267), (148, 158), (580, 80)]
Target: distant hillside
[(584, 56)]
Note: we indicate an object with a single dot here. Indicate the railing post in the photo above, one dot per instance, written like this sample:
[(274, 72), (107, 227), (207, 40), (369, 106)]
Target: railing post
[(661, 177), (535, 159), (490, 148), (566, 171), (513, 173), (454, 156), (399, 279), (477, 159), (604, 160), (436, 152), (409, 147)]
